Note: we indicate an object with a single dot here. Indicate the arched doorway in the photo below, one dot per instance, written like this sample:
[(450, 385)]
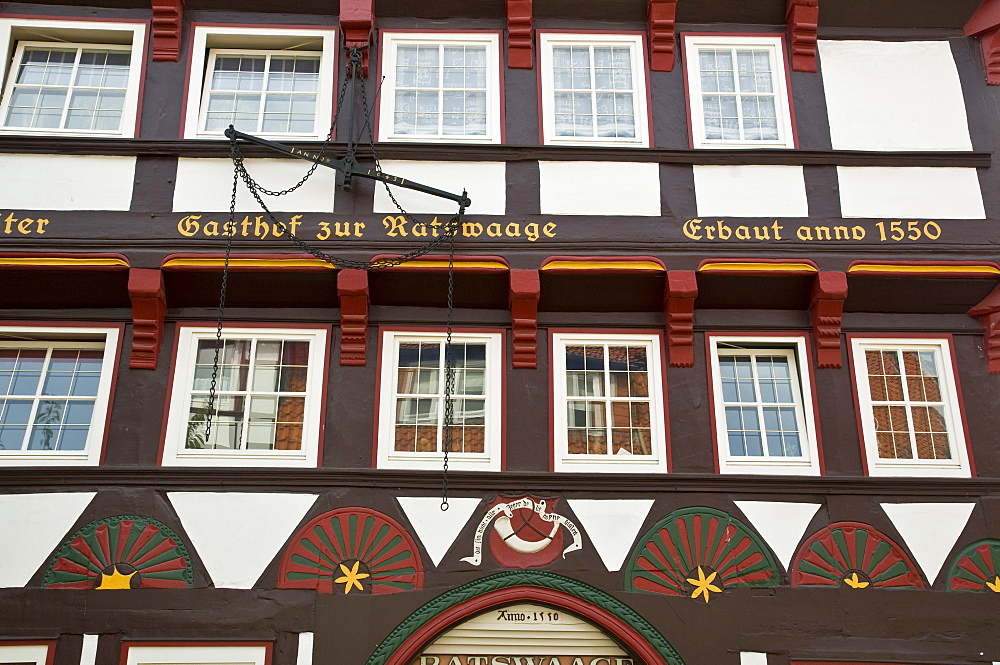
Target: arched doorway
[(469, 623)]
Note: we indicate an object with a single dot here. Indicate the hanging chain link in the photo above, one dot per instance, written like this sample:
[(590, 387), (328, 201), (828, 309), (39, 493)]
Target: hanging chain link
[(450, 230)]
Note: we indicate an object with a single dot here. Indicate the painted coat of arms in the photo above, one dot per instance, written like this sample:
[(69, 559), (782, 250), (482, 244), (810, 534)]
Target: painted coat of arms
[(526, 533)]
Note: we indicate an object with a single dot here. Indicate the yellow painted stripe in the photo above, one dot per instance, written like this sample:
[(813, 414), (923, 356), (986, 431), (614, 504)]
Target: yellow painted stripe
[(942, 269), (61, 261), (604, 265), (761, 267), (491, 265), (193, 262)]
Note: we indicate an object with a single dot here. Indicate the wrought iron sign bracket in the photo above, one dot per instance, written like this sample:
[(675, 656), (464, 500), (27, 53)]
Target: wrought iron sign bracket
[(349, 169)]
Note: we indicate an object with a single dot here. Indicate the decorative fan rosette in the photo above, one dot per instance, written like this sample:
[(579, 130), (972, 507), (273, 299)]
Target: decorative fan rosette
[(121, 552), (697, 552), (976, 568), (352, 550), (856, 556)]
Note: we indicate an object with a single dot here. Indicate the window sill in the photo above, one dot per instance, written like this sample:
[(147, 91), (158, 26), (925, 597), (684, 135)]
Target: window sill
[(770, 468)]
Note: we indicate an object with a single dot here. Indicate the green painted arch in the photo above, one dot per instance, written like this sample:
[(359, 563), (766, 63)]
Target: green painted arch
[(507, 580), (976, 567), (689, 538)]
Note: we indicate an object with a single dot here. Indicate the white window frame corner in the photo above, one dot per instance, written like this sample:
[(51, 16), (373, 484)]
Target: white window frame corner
[(63, 31), (494, 81), (490, 460), (960, 466), (38, 652), (782, 86), (182, 375), (209, 653), (93, 451), (640, 64), (562, 461), (797, 347), (256, 40)]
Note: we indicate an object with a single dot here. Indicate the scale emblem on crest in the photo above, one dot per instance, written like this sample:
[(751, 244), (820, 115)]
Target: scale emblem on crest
[(524, 534)]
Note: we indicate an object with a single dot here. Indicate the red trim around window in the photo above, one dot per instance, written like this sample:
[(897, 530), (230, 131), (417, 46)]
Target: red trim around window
[(788, 77), (608, 332), (607, 621), (806, 362), (501, 66), (172, 372), (440, 329), (50, 654), (917, 338), (643, 61)]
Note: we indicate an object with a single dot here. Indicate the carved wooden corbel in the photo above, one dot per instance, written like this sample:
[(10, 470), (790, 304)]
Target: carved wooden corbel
[(988, 312), (660, 18), (167, 18), (682, 289), (149, 307), (357, 18), (519, 42), (802, 17), (985, 24), (826, 312), (352, 288), (525, 290)]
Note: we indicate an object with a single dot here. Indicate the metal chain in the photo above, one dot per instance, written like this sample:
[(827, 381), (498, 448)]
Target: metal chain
[(449, 375)]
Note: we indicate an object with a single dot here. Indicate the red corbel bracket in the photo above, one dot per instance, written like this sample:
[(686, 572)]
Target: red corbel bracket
[(826, 312), (357, 17), (525, 289), (802, 17), (352, 287), (985, 24), (682, 289), (167, 17), (660, 18), (988, 311), (149, 306), (519, 43)]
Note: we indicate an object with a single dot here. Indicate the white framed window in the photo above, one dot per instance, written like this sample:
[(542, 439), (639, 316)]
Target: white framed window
[(71, 77), (23, 651), (763, 405), (242, 653), (908, 398), (411, 433), (608, 397), (737, 92), (268, 400), (440, 87), (593, 89), (55, 391), (270, 82)]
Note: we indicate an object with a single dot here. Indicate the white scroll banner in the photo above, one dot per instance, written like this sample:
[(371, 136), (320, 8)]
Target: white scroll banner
[(508, 510)]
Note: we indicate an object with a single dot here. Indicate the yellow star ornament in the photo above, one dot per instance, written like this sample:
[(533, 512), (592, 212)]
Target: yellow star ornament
[(351, 578), (703, 584), (995, 584), (115, 580), (854, 582)]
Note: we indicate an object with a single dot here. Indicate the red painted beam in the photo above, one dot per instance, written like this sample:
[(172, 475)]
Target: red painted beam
[(660, 18), (682, 289), (352, 288), (985, 24), (988, 312), (519, 41), (167, 18), (802, 17), (149, 307), (525, 290), (826, 311), (357, 19)]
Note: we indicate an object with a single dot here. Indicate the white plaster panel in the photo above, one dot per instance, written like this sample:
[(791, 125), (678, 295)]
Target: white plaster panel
[(486, 183), (930, 530), (220, 524), (781, 524), (600, 188), (88, 654), (893, 96), (206, 185), (33, 526), (436, 528), (753, 658), (750, 191), (911, 191), (612, 525), (305, 654), (66, 182)]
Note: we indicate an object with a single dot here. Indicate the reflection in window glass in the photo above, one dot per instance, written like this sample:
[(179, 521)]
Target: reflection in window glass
[(440, 90), (760, 399)]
